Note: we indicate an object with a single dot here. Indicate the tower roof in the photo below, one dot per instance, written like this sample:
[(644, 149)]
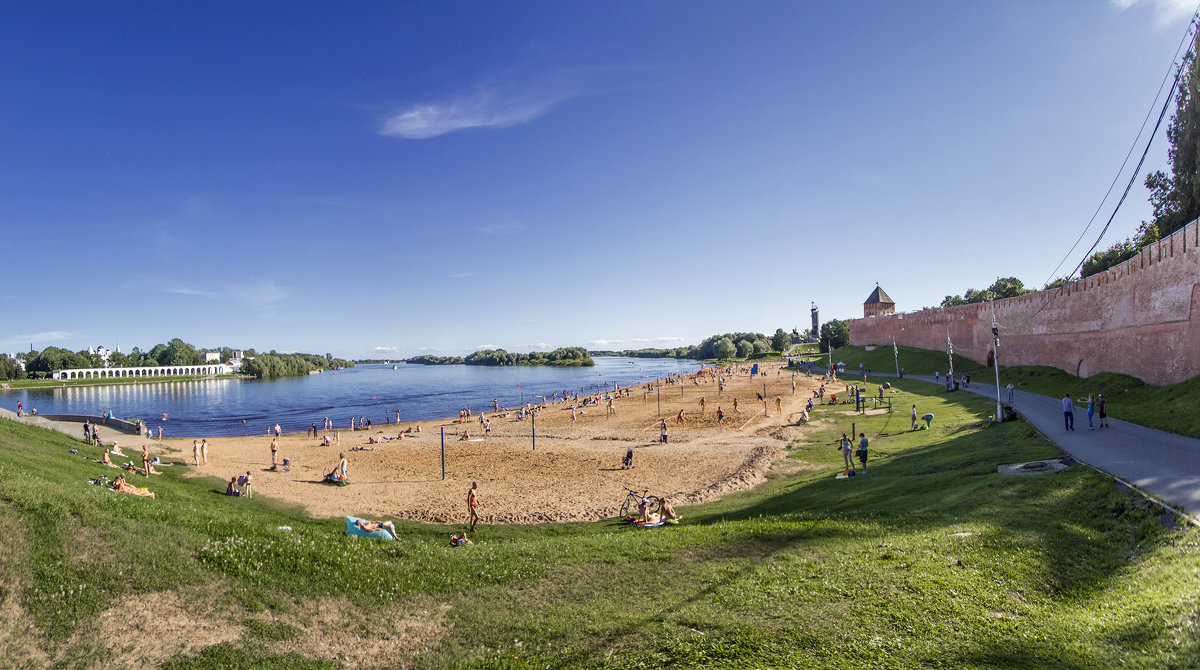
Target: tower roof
[(879, 296)]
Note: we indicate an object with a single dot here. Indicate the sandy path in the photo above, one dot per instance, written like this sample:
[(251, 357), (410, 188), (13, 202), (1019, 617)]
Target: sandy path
[(574, 474)]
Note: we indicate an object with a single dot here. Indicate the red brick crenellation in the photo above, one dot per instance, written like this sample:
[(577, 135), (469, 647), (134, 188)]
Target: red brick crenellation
[(1140, 318)]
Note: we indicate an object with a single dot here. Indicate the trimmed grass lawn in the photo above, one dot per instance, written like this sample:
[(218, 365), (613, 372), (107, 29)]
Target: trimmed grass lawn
[(931, 559)]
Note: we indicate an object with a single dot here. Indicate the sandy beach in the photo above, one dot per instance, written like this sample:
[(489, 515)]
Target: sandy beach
[(575, 473)]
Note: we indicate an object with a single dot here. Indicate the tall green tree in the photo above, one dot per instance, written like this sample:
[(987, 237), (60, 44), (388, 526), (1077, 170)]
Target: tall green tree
[(780, 340), (835, 333)]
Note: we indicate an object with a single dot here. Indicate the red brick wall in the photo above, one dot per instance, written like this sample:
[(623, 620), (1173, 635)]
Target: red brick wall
[(1141, 318)]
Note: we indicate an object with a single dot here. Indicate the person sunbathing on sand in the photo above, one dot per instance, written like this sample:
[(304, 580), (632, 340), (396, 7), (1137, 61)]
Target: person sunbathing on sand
[(363, 448), (376, 526)]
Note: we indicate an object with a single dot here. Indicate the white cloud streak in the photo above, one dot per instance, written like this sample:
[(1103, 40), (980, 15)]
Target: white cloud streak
[(487, 107), (34, 338), (386, 349), (1166, 12), (486, 347)]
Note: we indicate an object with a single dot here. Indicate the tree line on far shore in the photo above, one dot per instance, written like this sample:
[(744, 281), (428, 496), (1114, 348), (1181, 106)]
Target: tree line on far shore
[(176, 352), (561, 357)]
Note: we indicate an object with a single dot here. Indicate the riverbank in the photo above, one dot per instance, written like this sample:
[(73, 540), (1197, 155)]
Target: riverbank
[(15, 384), (945, 561), (574, 474)]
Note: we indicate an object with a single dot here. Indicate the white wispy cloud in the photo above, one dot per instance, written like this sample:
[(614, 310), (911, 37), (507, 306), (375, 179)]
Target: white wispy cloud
[(187, 290), (500, 229), (534, 346), (1165, 11), (34, 338), (461, 275), (487, 107), (637, 340), (386, 349), (483, 347)]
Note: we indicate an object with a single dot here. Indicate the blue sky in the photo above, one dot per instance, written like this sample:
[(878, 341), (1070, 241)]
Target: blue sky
[(389, 179)]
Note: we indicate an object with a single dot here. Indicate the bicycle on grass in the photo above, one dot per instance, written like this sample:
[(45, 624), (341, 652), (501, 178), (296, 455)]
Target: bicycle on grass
[(633, 502)]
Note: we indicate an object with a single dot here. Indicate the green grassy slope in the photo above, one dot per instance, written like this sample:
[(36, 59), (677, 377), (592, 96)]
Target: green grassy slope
[(1171, 408), (930, 560)]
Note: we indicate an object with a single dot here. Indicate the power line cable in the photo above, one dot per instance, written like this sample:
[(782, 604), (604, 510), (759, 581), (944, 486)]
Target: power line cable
[(1179, 69), (1167, 75)]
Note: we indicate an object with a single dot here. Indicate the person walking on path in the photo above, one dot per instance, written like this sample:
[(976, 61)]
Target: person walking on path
[(1091, 411), (1011, 391), (1100, 409), (472, 503), (1068, 412)]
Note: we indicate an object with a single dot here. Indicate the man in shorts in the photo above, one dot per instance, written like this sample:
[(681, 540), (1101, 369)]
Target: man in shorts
[(862, 451)]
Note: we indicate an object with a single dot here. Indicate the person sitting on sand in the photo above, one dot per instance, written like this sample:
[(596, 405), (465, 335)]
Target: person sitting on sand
[(339, 472), (460, 540), (376, 526), (464, 437), (804, 416), (372, 441), (668, 511)]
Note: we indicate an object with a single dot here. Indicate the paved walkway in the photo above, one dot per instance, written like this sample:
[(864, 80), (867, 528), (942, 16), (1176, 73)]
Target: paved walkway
[(108, 436), (1164, 464)]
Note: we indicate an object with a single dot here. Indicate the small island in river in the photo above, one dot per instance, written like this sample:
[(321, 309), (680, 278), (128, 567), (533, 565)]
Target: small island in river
[(562, 357)]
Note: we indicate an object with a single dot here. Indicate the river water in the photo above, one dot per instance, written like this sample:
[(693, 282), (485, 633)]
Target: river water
[(229, 407)]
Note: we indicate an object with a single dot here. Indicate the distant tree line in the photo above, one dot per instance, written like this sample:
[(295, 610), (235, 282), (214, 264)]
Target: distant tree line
[(562, 357), (724, 347), (274, 364), (176, 352)]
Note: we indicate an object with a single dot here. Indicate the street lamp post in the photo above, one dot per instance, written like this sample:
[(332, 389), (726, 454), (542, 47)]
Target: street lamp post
[(996, 363)]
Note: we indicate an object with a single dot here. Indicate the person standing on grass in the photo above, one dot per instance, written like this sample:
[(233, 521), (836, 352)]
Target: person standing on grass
[(146, 460), (1100, 409), (472, 503), (914, 417), (1068, 412), (862, 451), (847, 458), (1091, 411)]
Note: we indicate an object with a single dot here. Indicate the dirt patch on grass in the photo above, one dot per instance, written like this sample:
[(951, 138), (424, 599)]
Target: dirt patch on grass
[(146, 630), (19, 639), (386, 638)]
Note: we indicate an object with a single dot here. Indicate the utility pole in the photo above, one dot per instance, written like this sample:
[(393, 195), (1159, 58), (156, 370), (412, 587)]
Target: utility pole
[(950, 355), (996, 362), (896, 355)]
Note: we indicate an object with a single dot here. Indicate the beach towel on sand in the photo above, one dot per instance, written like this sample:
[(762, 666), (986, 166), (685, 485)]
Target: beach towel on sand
[(353, 529)]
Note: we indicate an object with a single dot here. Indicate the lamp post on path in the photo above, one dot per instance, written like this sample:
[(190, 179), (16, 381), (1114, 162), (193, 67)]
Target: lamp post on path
[(996, 363)]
